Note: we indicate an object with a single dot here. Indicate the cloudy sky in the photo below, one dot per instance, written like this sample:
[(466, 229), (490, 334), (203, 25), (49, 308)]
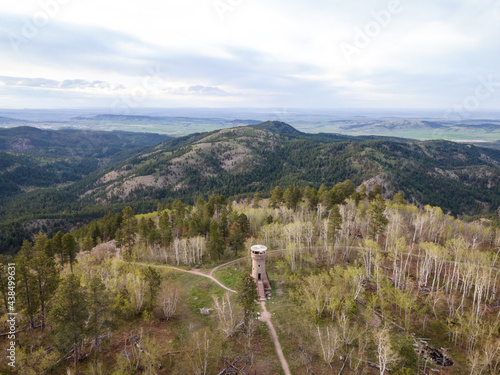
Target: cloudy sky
[(250, 53)]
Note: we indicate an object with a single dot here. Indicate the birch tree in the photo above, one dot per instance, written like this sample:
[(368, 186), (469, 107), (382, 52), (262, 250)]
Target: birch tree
[(385, 352), (168, 298)]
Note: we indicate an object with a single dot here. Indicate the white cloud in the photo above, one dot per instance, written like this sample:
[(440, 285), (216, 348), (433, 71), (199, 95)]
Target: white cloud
[(284, 52)]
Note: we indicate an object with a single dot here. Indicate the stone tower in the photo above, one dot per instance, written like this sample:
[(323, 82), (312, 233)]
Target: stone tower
[(259, 269)]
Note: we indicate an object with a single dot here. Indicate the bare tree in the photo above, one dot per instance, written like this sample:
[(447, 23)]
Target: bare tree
[(330, 342), (137, 287), (226, 314), (167, 298), (203, 352), (385, 352)]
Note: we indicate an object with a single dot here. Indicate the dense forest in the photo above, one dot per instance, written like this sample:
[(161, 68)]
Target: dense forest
[(360, 285), (33, 158), (60, 194)]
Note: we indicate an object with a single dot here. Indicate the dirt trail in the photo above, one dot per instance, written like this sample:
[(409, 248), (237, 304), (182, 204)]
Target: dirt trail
[(225, 265), (198, 273), (265, 316)]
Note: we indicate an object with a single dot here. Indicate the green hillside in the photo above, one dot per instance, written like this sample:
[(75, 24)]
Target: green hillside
[(235, 162)]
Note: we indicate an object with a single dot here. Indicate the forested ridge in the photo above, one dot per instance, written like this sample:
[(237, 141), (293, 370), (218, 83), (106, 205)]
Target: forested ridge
[(461, 179), (33, 158), (360, 285)]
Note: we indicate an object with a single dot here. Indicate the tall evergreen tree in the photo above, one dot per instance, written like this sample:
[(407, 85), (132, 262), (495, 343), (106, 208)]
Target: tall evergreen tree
[(335, 222), (69, 316), (99, 310), (57, 247), (47, 278), (236, 238), (40, 241), (27, 249), (323, 195), (292, 196), (377, 190), (70, 248), (398, 198), (362, 191), (247, 294), (165, 232), (276, 197), (256, 200), (216, 243), (4, 281), (312, 197), (153, 278), (27, 288), (128, 229), (378, 221)]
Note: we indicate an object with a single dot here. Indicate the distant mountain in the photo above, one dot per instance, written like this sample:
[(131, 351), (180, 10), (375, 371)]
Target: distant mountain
[(127, 119), (258, 157), (277, 127), (464, 131), (12, 121), (391, 125), (488, 126), (118, 118), (73, 143), (242, 122)]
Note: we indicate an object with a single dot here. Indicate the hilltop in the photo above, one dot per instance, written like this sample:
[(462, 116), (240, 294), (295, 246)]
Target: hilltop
[(243, 160)]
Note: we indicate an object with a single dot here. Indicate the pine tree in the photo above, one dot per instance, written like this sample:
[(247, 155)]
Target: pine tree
[(256, 200), (223, 222), (348, 188), (40, 241), (244, 224), (128, 229), (165, 233), (292, 196), (70, 247), (336, 196), (4, 281), (99, 310), (216, 243), (276, 197), (247, 294), (362, 191), (27, 287), (312, 197), (57, 247), (323, 195), (47, 279), (377, 190), (356, 196), (236, 238), (69, 316), (153, 279), (398, 199), (378, 221), (27, 249), (334, 222)]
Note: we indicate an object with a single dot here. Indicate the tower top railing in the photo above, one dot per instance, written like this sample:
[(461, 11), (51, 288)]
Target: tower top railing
[(258, 249)]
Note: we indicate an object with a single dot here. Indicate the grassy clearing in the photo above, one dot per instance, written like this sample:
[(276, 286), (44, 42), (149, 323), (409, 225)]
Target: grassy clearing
[(229, 275)]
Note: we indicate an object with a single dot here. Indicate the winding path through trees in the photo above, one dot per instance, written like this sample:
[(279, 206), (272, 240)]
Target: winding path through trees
[(265, 316)]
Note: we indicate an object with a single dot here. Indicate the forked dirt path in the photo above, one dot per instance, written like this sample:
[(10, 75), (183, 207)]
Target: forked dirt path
[(198, 273), (265, 316)]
